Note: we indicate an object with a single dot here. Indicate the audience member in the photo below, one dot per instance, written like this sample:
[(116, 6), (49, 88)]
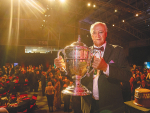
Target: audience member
[(49, 91)]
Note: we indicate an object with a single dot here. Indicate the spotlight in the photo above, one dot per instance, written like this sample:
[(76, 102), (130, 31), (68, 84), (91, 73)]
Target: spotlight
[(113, 25), (123, 21), (115, 10), (89, 4), (94, 5)]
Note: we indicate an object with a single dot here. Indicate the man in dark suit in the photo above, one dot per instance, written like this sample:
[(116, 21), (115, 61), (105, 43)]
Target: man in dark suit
[(111, 68)]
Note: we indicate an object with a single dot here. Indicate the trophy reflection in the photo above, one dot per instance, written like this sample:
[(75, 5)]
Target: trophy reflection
[(76, 57)]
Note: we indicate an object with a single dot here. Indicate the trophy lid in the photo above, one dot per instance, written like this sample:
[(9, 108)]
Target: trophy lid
[(77, 44)]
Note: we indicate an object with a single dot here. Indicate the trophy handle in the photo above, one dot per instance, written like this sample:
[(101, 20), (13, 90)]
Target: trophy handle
[(58, 54), (88, 70)]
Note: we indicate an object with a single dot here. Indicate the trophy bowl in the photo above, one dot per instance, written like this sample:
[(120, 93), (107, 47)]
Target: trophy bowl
[(76, 57)]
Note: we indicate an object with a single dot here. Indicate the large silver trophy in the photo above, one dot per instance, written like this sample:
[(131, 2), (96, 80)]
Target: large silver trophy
[(76, 57)]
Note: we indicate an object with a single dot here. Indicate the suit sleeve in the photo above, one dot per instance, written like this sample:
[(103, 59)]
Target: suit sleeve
[(120, 70)]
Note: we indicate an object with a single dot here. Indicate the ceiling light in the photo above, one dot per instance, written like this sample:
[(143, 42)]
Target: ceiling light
[(113, 25), (123, 21), (115, 10), (89, 4), (94, 5), (137, 15)]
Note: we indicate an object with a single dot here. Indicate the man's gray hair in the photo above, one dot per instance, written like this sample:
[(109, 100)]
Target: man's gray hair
[(92, 26)]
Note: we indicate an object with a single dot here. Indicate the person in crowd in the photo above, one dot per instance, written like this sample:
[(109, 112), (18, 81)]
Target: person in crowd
[(112, 68), (22, 79), (43, 82), (49, 91), (30, 79), (57, 95), (52, 79), (36, 81)]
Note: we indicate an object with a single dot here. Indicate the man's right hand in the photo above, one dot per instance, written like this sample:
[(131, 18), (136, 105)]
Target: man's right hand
[(59, 62)]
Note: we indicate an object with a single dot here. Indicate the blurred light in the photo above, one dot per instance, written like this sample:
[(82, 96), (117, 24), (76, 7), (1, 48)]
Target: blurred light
[(10, 21), (42, 24), (45, 15), (113, 25), (115, 10), (89, 4), (43, 20), (94, 5), (123, 21), (62, 0), (137, 15), (87, 36), (49, 15), (36, 6), (148, 25), (34, 49)]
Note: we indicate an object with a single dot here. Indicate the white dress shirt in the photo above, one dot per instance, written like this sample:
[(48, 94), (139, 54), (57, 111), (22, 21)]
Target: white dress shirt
[(95, 77)]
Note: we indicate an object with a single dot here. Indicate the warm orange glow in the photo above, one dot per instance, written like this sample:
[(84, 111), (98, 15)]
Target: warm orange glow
[(137, 15)]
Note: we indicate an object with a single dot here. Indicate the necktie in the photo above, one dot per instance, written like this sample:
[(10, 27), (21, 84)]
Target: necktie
[(100, 48)]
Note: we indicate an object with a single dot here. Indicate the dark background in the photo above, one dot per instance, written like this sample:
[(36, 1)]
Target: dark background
[(16, 54), (139, 55)]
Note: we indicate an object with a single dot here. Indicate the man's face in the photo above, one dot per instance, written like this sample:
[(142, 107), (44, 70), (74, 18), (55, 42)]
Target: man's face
[(99, 35)]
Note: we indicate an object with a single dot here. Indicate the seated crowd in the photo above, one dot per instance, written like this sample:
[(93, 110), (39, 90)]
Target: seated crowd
[(15, 80), (18, 79)]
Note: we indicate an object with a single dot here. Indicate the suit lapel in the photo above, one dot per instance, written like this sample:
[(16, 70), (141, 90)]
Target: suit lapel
[(107, 52)]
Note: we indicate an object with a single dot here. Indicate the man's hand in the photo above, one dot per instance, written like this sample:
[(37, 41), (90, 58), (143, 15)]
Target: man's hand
[(100, 64), (59, 62)]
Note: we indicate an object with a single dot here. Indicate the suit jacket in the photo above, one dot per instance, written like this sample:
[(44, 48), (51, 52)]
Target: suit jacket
[(110, 95)]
